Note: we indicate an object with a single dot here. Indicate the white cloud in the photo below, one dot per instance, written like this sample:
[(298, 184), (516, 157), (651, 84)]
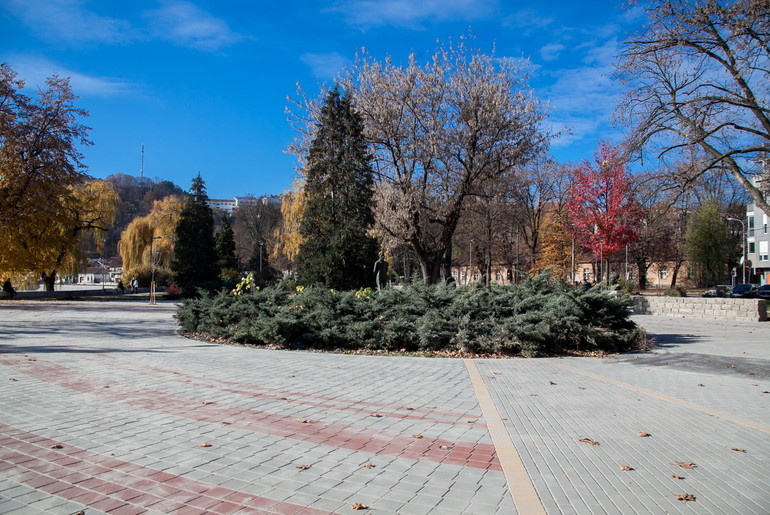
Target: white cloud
[(551, 51), (325, 66), (411, 13), (35, 70), (68, 21), (185, 24)]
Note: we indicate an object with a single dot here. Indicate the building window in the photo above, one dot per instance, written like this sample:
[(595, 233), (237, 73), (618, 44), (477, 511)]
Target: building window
[(586, 274), (751, 247), (751, 226), (690, 274), (664, 274)]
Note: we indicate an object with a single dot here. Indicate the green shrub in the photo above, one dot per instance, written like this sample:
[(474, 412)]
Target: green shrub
[(538, 317)]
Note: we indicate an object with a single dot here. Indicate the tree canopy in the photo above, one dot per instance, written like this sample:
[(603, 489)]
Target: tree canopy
[(699, 79)]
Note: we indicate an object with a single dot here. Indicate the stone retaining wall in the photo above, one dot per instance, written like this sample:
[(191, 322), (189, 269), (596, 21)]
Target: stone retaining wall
[(747, 310)]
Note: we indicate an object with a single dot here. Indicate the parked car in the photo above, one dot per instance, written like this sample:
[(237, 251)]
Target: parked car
[(763, 292), (719, 290), (743, 291)]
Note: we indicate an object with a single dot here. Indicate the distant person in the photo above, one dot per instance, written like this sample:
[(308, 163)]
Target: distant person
[(121, 288), (7, 288), (134, 285)]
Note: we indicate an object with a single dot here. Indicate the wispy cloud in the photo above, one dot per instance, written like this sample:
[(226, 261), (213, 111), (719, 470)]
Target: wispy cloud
[(551, 51), (35, 70), (68, 21), (410, 13), (325, 66), (185, 24)]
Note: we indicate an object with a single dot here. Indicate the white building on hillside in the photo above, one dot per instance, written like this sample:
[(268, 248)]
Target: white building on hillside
[(228, 206)]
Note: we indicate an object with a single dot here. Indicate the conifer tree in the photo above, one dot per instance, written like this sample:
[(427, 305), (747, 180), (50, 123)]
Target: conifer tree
[(225, 245), (195, 258), (336, 248)]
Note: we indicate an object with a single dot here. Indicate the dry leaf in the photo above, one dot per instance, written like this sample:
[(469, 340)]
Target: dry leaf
[(57, 446), (205, 445), (305, 421), (730, 366), (498, 373), (227, 423), (207, 402), (470, 421), (551, 382), (410, 409), (685, 497), (686, 464), (588, 440), (359, 506), (417, 436), (443, 447), (375, 415), (368, 466), (581, 387), (303, 467), (677, 476), (644, 434), (700, 384), (626, 467), (533, 395), (291, 376), (283, 398), (738, 450)]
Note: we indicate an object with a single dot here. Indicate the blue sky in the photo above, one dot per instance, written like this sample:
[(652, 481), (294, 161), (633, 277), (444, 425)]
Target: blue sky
[(203, 84)]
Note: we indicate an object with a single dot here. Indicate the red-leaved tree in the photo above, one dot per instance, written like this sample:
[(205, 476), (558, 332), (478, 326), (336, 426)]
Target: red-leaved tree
[(603, 212)]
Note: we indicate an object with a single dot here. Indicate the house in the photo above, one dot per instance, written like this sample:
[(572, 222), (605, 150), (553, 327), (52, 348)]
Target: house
[(758, 245)]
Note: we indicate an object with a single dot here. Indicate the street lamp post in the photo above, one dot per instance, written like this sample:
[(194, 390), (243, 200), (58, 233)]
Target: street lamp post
[(743, 245)]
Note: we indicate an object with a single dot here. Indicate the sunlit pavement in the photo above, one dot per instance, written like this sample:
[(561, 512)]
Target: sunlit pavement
[(104, 408)]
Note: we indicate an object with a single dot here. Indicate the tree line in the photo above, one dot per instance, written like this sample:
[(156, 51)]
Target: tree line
[(429, 159)]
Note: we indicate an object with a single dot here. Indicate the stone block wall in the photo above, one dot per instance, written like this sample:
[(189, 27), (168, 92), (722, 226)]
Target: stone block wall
[(748, 310)]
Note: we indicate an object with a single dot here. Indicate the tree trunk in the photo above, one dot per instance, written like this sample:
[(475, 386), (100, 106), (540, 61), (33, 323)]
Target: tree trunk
[(641, 267), (49, 280)]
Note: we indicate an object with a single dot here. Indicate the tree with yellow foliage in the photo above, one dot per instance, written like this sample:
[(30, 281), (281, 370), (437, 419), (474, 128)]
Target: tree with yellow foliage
[(47, 201), (148, 235), (556, 250), (288, 237)]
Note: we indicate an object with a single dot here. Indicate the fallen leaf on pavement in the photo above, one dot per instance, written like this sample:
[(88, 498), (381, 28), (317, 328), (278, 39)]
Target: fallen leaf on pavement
[(581, 387), (686, 464), (677, 476), (207, 402), (700, 384), (498, 373), (205, 445), (551, 382), (626, 467), (644, 434), (588, 440), (305, 421), (685, 497), (443, 447), (368, 466), (359, 506), (57, 446), (227, 423), (303, 467), (417, 436), (738, 450), (410, 409), (375, 415), (730, 366)]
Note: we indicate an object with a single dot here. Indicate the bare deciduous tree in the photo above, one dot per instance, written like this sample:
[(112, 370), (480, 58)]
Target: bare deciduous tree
[(700, 77), (438, 132)]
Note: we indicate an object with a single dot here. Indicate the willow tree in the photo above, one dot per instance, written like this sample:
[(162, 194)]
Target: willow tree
[(151, 237), (438, 131), (288, 237)]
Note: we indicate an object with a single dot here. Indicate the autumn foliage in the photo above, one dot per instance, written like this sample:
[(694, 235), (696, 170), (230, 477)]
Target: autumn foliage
[(603, 214)]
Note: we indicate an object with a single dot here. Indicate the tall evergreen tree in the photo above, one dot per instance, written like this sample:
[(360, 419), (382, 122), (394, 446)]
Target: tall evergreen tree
[(225, 245), (195, 258), (336, 248)]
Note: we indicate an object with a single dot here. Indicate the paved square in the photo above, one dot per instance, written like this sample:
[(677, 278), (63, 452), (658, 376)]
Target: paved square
[(105, 408)]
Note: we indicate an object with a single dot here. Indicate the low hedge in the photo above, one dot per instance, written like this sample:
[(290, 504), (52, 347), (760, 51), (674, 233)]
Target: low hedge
[(539, 317)]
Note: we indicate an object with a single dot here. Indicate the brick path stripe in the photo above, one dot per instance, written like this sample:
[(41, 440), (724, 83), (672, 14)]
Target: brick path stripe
[(112, 485), (469, 454), (297, 397)]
